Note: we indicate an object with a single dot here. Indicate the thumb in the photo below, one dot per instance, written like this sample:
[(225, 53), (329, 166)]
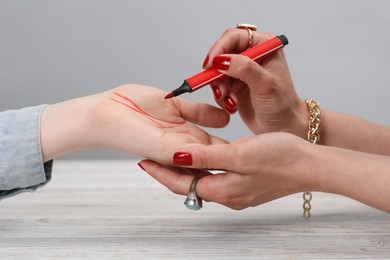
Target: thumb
[(240, 67), (217, 156)]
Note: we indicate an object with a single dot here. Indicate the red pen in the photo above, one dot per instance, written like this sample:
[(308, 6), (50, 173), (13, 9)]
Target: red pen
[(210, 75)]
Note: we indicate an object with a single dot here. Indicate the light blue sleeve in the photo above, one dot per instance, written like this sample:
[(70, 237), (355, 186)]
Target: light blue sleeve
[(21, 165)]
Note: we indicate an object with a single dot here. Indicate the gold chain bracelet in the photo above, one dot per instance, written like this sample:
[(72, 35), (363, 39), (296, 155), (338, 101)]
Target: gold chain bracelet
[(313, 135)]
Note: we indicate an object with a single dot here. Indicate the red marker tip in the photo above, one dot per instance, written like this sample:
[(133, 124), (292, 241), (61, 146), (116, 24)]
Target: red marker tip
[(170, 95)]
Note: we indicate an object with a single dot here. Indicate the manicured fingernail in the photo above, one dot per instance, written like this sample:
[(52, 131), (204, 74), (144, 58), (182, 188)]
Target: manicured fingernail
[(217, 92), (231, 111), (141, 166), (206, 61), (222, 62), (182, 158), (231, 105)]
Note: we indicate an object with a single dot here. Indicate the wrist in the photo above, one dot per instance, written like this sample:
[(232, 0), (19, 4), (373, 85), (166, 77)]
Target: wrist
[(304, 165), (300, 120), (314, 173), (295, 120), (65, 128)]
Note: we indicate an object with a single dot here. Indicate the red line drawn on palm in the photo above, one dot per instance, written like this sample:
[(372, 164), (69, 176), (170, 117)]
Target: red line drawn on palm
[(133, 106)]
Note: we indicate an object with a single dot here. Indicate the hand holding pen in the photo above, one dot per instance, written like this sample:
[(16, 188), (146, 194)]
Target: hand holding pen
[(212, 74), (262, 92)]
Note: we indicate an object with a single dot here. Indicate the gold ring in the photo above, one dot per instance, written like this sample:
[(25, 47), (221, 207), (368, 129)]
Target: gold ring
[(249, 28)]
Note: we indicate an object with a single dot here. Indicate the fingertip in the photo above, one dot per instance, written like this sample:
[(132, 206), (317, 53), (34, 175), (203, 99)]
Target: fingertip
[(221, 89), (146, 163), (222, 63), (222, 117), (182, 158), (224, 120), (203, 156), (231, 104), (206, 61), (140, 165), (216, 91)]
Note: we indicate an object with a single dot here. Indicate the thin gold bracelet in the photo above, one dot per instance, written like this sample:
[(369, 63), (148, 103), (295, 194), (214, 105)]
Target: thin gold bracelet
[(313, 135)]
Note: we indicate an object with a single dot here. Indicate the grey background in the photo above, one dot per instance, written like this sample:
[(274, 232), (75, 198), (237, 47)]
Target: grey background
[(51, 51)]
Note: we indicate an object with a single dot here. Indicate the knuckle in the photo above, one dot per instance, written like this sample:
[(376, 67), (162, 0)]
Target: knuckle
[(265, 36), (201, 112), (228, 31), (234, 201), (269, 79), (175, 190), (238, 154), (269, 36), (205, 161), (239, 203), (238, 207), (245, 68), (176, 187)]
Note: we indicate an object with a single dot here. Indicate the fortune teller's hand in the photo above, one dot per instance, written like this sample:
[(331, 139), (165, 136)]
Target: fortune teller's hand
[(251, 171), (258, 169), (131, 118), (263, 92)]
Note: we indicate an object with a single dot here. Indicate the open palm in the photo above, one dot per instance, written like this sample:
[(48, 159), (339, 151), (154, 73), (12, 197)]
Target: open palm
[(138, 120)]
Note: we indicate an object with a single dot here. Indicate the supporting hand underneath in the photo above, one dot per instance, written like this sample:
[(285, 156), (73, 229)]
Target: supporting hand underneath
[(262, 168)]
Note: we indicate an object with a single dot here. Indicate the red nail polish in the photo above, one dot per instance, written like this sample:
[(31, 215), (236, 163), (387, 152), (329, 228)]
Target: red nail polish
[(231, 111), (182, 158), (206, 61), (231, 105), (141, 167), (217, 92), (222, 62)]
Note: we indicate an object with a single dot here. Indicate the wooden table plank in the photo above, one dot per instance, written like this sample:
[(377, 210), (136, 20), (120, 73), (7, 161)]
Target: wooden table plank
[(112, 209)]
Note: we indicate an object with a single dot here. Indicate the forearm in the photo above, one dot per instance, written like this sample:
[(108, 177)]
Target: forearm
[(361, 176), (354, 133), (65, 127)]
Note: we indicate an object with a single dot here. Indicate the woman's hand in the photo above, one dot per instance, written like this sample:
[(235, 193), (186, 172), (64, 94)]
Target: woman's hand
[(265, 97), (255, 170), (263, 92), (131, 118), (262, 168)]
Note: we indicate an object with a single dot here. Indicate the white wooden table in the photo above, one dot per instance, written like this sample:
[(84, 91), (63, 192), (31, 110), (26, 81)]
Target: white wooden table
[(113, 210)]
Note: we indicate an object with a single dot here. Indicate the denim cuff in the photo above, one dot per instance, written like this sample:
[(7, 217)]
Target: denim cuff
[(21, 165)]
